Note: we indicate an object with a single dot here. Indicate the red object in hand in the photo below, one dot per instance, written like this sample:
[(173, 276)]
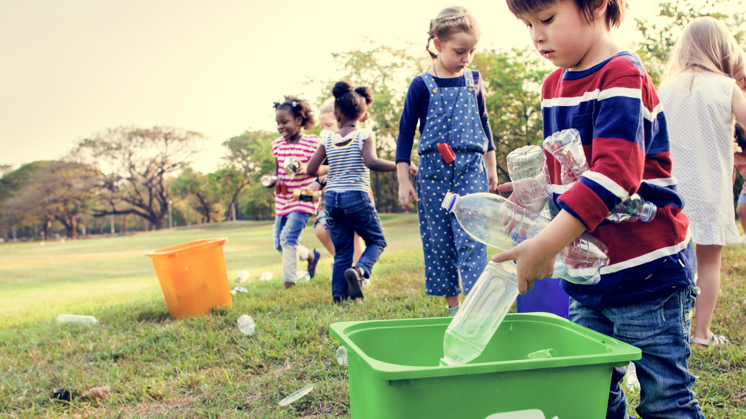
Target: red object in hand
[(446, 152)]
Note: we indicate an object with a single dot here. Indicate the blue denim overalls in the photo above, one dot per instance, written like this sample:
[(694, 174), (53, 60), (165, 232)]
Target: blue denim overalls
[(453, 118)]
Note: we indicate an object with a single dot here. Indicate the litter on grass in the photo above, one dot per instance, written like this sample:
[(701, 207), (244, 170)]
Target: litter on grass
[(297, 395)]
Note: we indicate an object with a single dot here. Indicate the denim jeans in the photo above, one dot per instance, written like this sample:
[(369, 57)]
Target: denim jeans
[(660, 328), (347, 213), (286, 237)]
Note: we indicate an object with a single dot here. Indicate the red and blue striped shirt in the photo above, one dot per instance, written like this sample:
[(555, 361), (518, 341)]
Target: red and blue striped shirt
[(616, 109)]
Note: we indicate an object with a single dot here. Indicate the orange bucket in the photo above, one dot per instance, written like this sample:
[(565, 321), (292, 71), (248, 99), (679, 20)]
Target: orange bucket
[(193, 276)]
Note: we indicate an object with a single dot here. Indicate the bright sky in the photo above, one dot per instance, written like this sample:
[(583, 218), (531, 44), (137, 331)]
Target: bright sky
[(72, 68)]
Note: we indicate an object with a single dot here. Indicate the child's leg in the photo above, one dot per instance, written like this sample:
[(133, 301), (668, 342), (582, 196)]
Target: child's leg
[(708, 281), (276, 230), (342, 238), (367, 224), (660, 328), (290, 243), (741, 211), (322, 233), (441, 274)]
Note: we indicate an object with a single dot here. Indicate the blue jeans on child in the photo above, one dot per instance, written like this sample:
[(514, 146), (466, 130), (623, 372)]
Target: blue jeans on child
[(287, 231), (349, 212), (660, 328)]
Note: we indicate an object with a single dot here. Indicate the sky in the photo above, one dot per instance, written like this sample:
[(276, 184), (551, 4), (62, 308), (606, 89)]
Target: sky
[(69, 69)]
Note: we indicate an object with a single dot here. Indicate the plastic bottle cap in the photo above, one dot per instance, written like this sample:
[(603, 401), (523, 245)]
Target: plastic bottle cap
[(449, 201)]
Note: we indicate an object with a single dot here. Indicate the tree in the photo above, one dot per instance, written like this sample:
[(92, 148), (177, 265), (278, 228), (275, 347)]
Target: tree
[(60, 191), (201, 191), (513, 100), (249, 157), (135, 165), (660, 35), (12, 211)]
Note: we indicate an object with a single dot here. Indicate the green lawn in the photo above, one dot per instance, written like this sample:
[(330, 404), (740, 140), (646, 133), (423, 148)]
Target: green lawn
[(202, 366)]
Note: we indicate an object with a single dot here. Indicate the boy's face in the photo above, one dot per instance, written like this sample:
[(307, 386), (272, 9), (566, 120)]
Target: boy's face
[(328, 122), (562, 35), (456, 53)]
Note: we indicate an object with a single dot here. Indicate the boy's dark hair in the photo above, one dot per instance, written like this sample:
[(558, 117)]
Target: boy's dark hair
[(298, 108), (351, 103), (740, 135), (614, 9)]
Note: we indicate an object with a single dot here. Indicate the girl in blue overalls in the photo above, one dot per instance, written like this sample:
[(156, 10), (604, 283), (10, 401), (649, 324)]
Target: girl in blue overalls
[(455, 143)]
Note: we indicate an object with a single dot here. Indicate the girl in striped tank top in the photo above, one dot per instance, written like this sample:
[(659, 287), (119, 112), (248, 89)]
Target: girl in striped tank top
[(291, 151), (351, 152)]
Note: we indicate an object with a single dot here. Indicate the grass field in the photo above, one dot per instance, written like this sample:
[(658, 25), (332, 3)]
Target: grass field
[(203, 366)]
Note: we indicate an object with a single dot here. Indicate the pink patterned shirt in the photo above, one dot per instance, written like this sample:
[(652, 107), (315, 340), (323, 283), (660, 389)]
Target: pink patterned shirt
[(302, 151)]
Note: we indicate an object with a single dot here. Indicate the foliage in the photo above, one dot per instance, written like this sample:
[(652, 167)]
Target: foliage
[(660, 34), (135, 164), (12, 217), (201, 192), (513, 100), (249, 158)]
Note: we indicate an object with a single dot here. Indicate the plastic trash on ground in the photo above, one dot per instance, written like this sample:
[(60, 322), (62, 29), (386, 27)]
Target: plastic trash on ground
[(76, 318), (266, 276), (246, 324), (243, 276), (295, 396)]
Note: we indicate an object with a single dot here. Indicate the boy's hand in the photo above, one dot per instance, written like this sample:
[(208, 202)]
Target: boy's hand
[(406, 190), (412, 169), (532, 263)]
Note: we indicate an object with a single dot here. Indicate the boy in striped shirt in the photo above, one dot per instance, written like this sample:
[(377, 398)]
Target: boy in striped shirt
[(647, 292)]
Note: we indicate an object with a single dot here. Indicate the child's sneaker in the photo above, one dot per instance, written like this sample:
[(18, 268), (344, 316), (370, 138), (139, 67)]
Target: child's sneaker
[(354, 283), (312, 265)]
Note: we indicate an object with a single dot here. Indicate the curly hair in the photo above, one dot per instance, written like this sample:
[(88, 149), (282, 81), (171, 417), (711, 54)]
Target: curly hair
[(298, 108), (351, 102)]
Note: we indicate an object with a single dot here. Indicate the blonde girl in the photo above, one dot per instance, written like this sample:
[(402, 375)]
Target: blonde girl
[(700, 96), (456, 153)]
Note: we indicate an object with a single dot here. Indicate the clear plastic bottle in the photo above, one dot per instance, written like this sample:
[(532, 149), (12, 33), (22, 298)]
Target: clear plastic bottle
[(76, 318), (246, 324), (567, 148), (530, 178), (243, 276), (480, 314), (495, 221), (633, 208)]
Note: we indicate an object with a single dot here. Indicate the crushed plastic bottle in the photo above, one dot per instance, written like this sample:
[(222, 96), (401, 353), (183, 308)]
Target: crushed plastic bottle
[(302, 276), (630, 378), (341, 355), (269, 181), (76, 318), (266, 276), (496, 221), (567, 147), (529, 176), (295, 396), (238, 289), (291, 166), (243, 276), (480, 314), (246, 324)]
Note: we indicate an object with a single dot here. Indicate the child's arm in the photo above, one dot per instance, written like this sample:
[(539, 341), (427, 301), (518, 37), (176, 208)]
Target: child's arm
[(535, 257), (738, 104), (371, 159), (406, 190), (314, 167), (491, 162)]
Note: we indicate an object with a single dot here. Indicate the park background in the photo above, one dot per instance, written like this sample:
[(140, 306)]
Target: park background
[(140, 181)]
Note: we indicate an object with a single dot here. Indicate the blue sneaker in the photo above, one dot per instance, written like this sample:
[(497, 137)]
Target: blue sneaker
[(312, 265)]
